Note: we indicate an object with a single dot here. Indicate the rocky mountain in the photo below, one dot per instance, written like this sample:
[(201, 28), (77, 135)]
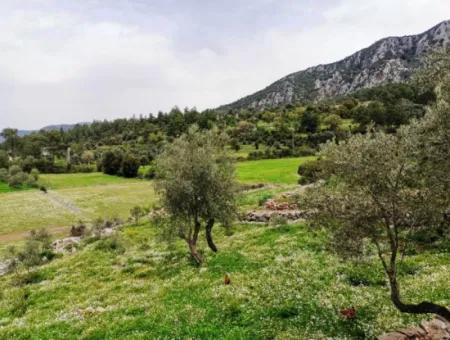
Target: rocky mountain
[(388, 60)]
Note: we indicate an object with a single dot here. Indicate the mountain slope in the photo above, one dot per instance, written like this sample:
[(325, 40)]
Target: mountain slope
[(392, 59)]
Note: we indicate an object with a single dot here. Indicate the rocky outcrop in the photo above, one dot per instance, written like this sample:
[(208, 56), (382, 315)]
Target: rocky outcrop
[(390, 60), (436, 329)]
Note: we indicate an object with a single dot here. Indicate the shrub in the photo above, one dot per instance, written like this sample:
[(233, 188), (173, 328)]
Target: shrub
[(35, 174), (112, 162), (3, 175), (78, 229), (309, 172), (130, 166), (18, 179), (28, 163), (37, 249), (14, 170), (4, 159), (83, 168), (305, 150)]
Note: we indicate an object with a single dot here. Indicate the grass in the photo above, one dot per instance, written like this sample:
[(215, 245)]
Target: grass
[(278, 171), (72, 197), (5, 188), (285, 284), (78, 180)]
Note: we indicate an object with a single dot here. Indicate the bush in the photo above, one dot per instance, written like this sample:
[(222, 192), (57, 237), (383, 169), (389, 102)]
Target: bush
[(78, 230), (18, 179), (83, 168), (4, 159), (151, 173), (130, 166), (35, 174), (3, 175), (112, 162), (305, 150), (28, 164), (254, 155), (37, 249), (309, 172), (14, 170)]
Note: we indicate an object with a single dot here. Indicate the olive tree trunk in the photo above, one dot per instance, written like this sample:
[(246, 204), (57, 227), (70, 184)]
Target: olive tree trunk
[(192, 243), (209, 226), (421, 308)]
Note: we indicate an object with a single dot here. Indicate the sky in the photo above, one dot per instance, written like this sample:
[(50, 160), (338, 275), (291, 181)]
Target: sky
[(73, 61)]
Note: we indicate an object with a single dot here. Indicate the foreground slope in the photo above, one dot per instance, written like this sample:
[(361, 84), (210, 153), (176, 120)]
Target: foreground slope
[(284, 284), (392, 59)]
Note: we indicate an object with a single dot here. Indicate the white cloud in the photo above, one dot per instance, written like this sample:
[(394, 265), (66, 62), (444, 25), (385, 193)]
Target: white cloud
[(68, 64)]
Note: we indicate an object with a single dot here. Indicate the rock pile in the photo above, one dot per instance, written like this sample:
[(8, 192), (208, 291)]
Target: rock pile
[(266, 215), (279, 206), (436, 329)]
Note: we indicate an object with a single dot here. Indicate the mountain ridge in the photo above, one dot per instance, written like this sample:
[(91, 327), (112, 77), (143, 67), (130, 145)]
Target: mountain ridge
[(388, 60)]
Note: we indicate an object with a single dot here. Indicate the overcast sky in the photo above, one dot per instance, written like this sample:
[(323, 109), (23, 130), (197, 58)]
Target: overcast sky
[(73, 61)]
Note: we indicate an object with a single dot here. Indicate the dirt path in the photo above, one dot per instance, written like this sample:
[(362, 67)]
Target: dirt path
[(21, 235)]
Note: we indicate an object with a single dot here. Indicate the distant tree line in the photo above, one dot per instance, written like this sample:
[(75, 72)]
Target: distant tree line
[(119, 146)]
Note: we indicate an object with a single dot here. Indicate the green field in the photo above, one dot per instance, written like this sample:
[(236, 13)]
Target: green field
[(4, 187), (74, 197), (279, 171), (285, 284), (66, 181)]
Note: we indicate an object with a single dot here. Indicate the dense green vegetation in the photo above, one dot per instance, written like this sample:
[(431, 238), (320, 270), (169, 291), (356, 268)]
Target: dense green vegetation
[(118, 147)]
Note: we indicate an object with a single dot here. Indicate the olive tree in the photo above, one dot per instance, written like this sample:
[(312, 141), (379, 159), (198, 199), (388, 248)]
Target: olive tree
[(378, 195), (196, 183)]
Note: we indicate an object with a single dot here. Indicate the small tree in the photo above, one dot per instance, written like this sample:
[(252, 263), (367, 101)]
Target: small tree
[(381, 196), (196, 181)]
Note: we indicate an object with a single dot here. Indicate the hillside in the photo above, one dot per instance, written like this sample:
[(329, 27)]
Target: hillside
[(284, 284), (393, 59)]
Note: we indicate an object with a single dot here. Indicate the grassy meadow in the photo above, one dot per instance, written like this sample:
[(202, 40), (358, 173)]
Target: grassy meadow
[(70, 198), (278, 171), (285, 281), (285, 284), (74, 197)]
